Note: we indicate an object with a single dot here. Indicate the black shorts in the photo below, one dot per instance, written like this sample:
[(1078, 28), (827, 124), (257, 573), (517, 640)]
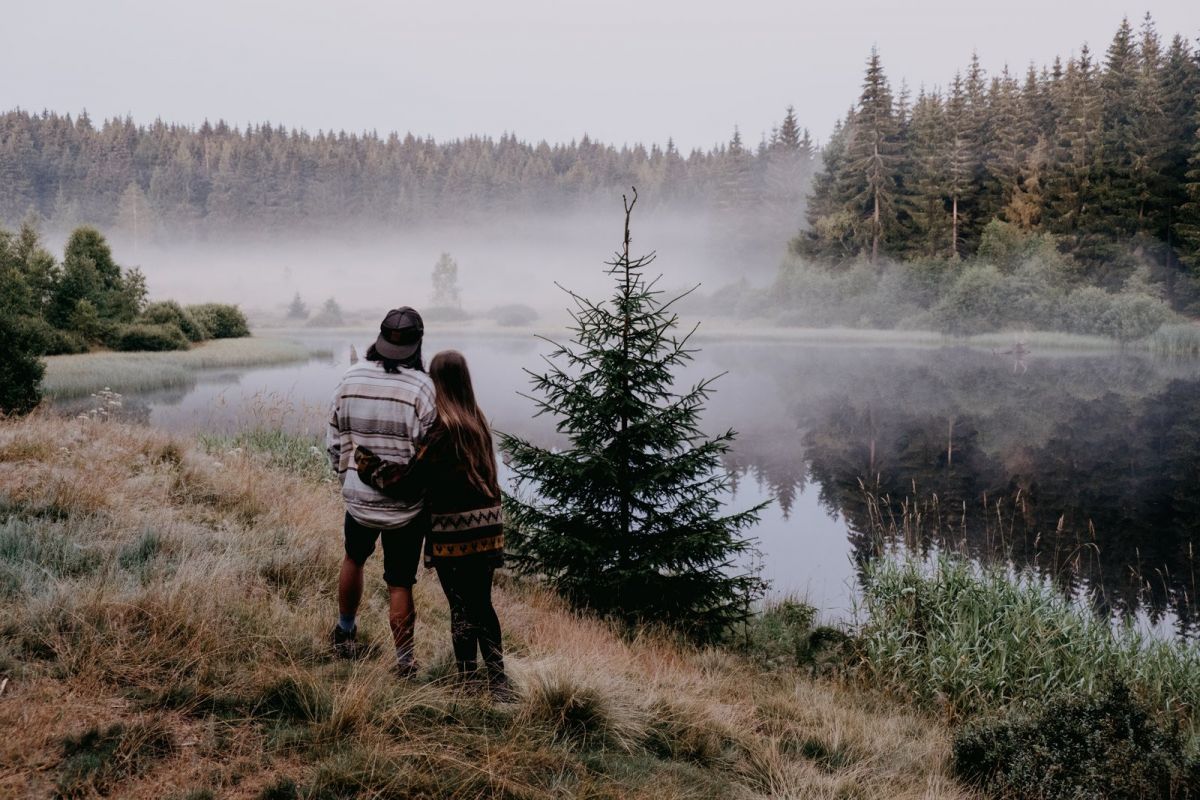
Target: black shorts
[(401, 548)]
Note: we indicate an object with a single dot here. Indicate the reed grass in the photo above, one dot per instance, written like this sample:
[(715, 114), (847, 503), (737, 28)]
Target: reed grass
[(967, 639), (77, 375), (182, 594), (1182, 340)]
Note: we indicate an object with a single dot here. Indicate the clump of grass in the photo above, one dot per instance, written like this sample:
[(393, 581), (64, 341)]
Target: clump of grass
[(578, 710), (297, 696), (138, 556), (98, 758), (971, 639), (297, 453), (34, 551), (82, 374), (687, 731), (281, 788)]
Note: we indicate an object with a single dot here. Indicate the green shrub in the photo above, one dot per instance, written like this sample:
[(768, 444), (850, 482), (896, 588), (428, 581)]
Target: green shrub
[(1124, 317), (515, 315), (168, 312), (50, 340), (222, 321), (975, 303), (20, 369), (783, 635), (1105, 746), (86, 322), (140, 336)]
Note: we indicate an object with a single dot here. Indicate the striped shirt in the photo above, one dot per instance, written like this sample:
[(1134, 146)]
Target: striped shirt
[(390, 413)]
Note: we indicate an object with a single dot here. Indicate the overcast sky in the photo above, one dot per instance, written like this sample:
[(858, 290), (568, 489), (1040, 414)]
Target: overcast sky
[(620, 70)]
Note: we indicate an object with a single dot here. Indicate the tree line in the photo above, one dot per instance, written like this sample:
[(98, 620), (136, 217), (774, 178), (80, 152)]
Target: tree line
[(1101, 154), (148, 180)]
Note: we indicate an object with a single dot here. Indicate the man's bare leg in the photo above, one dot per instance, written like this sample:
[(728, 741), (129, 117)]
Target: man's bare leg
[(350, 588)]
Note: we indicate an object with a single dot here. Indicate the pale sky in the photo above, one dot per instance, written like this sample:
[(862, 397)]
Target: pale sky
[(620, 70)]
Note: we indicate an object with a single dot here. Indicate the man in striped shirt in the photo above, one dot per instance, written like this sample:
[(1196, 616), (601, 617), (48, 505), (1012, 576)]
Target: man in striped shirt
[(386, 403)]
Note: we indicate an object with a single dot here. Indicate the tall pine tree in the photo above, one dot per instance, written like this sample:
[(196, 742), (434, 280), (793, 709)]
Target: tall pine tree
[(626, 519), (873, 160)]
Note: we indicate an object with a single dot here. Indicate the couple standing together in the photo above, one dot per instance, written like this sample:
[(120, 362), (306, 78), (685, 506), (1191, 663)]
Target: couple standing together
[(414, 455)]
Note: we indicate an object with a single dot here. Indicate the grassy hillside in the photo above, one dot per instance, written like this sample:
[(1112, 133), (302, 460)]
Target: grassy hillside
[(162, 632)]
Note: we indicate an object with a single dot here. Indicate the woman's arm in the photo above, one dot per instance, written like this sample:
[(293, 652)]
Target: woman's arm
[(404, 482)]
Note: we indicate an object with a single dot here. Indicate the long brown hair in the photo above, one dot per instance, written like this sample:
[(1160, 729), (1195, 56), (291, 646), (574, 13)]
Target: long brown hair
[(465, 424)]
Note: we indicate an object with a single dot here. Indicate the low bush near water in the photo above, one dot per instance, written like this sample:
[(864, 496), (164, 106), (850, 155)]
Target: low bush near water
[(168, 312), (222, 321), (141, 337)]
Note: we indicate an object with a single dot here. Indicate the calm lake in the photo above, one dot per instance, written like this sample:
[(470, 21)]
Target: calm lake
[(1083, 467)]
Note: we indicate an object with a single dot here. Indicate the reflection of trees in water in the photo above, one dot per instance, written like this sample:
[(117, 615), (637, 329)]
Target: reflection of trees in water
[(1084, 469)]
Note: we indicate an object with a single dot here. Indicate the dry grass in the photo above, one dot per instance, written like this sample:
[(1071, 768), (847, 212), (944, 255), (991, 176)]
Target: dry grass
[(163, 614)]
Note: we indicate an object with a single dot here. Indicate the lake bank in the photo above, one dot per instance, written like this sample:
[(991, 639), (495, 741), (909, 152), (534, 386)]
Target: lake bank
[(70, 376), (1172, 340), (160, 593)]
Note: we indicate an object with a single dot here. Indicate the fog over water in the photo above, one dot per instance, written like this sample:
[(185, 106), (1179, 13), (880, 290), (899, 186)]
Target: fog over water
[(503, 259)]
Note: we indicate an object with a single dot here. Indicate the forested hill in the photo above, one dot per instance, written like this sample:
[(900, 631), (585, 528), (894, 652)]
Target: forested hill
[(136, 179), (1102, 152)]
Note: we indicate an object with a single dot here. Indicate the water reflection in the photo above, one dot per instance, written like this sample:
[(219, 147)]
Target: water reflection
[(1085, 468)]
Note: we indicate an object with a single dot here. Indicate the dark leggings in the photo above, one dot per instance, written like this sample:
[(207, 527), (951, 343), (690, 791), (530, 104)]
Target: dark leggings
[(474, 625)]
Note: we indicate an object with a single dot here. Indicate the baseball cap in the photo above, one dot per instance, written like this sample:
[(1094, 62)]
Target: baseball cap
[(400, 334)]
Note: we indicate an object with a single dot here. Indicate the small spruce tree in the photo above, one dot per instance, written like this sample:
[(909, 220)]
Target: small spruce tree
[(297, 308), (627, 519)]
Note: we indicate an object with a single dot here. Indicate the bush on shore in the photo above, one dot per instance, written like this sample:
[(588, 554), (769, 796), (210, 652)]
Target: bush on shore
[(221, 320), (168, 312), (141, 336)]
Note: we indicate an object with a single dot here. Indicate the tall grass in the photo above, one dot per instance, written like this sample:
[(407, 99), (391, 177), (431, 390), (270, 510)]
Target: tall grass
[(297, 453), (1181, 339), (968, 639), (160, 586), (76, 375)]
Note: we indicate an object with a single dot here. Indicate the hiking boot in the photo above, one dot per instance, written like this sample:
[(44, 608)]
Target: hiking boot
[(344, 643), (405, 670)]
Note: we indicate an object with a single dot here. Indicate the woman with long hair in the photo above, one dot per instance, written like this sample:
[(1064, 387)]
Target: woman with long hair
[(455, 472)]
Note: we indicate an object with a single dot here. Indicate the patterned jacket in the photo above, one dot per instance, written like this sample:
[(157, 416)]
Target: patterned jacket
[(464, 522)]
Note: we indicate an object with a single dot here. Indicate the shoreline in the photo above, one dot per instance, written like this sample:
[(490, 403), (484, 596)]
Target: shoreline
[(72, 376), (1039, 342)]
